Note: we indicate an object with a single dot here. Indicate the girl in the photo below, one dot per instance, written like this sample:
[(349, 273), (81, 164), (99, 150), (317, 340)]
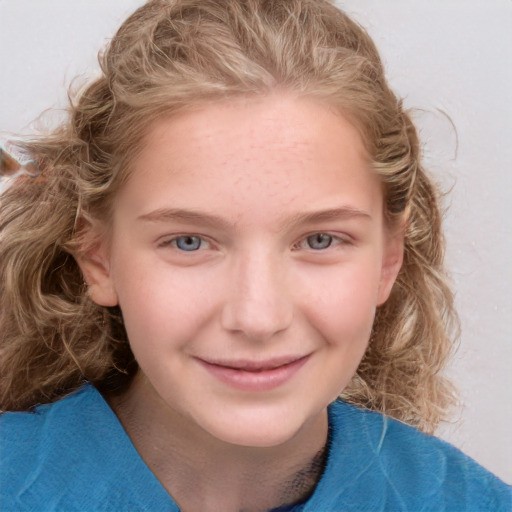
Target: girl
[(232, 230)]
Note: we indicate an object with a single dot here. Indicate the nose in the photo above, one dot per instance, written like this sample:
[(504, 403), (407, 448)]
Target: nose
[(258, 304)]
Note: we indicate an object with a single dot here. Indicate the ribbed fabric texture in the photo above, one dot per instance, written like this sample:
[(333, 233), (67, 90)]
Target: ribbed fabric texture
[(74, 455)]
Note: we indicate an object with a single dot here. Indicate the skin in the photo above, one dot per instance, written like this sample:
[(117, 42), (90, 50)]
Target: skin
[(292, 257)]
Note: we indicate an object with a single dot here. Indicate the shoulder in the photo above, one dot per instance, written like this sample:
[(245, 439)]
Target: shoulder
[(73, 455), (404, 468), (47, 428)]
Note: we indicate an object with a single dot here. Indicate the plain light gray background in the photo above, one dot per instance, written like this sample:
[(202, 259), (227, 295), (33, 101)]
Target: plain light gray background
[(451, 56)]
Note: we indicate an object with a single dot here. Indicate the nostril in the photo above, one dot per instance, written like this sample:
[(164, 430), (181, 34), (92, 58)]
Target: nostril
[(257, 321), (257, 304)]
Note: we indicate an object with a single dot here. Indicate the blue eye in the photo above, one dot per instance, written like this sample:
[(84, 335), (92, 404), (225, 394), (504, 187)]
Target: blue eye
[(319, 241), (188, 243)]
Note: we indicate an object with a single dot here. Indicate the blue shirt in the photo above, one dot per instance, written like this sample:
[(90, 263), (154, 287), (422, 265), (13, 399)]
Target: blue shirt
[(74, 455)]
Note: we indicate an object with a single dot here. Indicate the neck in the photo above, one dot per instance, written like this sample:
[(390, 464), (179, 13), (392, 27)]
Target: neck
[(202, 472)]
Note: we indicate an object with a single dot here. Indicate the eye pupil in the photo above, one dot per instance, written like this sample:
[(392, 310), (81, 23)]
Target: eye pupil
[(188, 243), (319, 241)]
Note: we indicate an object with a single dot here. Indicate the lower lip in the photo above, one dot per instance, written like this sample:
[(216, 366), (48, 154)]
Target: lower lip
[(265, 380)]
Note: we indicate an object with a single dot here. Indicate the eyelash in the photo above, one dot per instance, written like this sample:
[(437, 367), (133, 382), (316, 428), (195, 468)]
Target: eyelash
[(332, 241), (173, 242)]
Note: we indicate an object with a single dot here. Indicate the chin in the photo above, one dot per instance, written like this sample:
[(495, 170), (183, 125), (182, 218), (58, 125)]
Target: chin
[(255, 437), (257, 430)]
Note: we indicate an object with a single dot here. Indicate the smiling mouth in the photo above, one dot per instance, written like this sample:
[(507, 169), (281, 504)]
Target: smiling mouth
[(248, 375), (256, 366)]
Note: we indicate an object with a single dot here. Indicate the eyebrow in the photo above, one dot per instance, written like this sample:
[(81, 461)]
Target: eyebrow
[(331, 214), (211, 220), (186, 216)]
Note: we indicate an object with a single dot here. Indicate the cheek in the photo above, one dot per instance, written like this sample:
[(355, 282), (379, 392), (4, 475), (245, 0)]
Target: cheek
[(163, 306), (343, 300), (343, 316)]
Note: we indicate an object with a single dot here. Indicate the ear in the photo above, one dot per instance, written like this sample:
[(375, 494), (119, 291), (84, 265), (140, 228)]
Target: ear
[(392, 259), (94, 262)]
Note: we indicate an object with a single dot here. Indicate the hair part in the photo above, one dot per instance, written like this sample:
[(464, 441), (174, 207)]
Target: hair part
[(171, 56)]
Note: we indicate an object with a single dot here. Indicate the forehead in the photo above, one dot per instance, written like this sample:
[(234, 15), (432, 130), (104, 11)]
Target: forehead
[(278, 151)]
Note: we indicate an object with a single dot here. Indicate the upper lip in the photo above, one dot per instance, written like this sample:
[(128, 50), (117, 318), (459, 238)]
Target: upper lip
[(251, 365)]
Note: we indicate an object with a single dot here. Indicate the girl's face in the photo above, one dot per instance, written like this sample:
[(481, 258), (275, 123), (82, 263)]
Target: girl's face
[(248, 255)]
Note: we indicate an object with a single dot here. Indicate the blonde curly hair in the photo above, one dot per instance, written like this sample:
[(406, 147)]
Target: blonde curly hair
[(174, 55)]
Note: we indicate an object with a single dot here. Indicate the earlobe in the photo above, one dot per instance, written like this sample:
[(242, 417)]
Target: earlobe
[(102, 294), (96, 270), (391, 264)]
